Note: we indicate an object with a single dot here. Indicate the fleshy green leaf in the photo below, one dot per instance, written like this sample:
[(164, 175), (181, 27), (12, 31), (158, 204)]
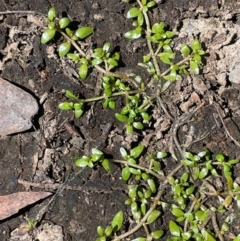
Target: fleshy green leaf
[(177, 212), (108, 230), (129, 129), (106, 47), (126, 173), (83, 71), (207, 236), (47, 35), (194, 67), (185, 50), (82, 162), (151, 4), (136, 152), (153, 216), (64, 49), (117, 221), (196, 45), (63, 22), (174, 229), (100, 230), (138, 125), (121, 118), (140, 239), (133, 34), (133, 12), (70, 95), (107, 165), (203, 173), (152, 185), (84, 32), (157, 234), (65, 106), (52, 13)]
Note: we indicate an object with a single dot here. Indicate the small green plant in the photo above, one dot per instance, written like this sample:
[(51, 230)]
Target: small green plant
[(191, 183), (137, 110), (190, 215)]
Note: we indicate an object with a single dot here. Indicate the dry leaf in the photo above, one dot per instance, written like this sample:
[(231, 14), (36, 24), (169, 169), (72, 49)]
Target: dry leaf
[(17, 108), (11, 204)]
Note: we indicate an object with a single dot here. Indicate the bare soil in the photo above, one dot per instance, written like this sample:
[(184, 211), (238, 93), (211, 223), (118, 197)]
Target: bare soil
[(44, 156)]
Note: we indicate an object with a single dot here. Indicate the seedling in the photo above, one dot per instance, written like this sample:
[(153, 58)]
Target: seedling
[(136, 113), (146, 182)]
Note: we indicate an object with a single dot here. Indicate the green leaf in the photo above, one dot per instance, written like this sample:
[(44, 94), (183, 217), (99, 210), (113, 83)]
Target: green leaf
[(151, 4), (171, 77), (82, 162), (233, 161), (52, 13), (237, 238), (96, 62), (152, 185), (106, 47), (133, 12), (96, 154), (47, 35), (175, 229), (117, 221), (136, 152), (177, 212), (129, 129), (196, 45), (203, 173), (153, 216), (83, 71), (140, 19), (132, 193), (123, 152), (194, 67), (138, 125), (190, 190), (161, 154), (74, 57), (157, 234), (64, 49), (78, 113), (70, 95), (197, 58), (207, 236), (121, 118), (146, 116), (102, 238), (134, 34), (140, 239), (165, 58), (126, 173), (220, 158), (185, 50), (108, 230), (69, 32), (63, 22), (158, 28), (65, 106), (112, 104), (100, 230), (107, 165), (84, 32)]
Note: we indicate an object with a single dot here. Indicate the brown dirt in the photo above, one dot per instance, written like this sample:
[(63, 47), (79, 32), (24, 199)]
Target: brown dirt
[(46, 154)]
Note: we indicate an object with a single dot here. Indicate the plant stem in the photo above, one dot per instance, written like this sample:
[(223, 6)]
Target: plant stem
[(148, 33), (100, 69), (143, 220), (160, 177), (114, 94)]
